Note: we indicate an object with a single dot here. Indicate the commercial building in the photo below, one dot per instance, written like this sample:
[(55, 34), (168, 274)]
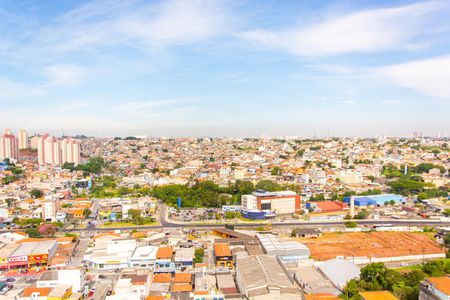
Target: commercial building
[(376, 199), (314, 282), (262, 204), (339, 271), (435, 288), (184, 257), (163, 262), (111, 253), (327, 206), (226, 284), (263, 277), (286, 251), (143, 257), (223, 256), (32, 254)]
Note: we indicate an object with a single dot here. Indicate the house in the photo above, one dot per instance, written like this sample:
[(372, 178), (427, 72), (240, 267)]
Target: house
[(182, 283), (35, 293), (435, 288)]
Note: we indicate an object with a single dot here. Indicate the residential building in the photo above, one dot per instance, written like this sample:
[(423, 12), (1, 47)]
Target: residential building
[(435, 288), (23, 139), (8, 145)]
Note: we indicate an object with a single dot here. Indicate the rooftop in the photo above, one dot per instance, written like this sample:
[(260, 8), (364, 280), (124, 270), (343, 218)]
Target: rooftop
[(222, 249), (378, 295), (441, 283)]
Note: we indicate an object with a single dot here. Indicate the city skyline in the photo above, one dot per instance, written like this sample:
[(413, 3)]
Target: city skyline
[(222, 68)]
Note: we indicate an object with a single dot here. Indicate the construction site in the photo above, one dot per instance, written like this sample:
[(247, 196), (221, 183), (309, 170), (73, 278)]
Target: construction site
[(371, 245)]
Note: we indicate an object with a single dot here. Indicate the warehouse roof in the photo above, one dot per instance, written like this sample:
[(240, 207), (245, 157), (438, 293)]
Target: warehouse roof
[(339, 271), (258, 273), (273, 246)]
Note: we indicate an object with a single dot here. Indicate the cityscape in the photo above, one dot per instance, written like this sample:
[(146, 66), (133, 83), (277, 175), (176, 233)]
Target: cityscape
[(211, 150)]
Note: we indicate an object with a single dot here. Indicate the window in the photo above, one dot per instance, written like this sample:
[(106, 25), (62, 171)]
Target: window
[(265, 206)]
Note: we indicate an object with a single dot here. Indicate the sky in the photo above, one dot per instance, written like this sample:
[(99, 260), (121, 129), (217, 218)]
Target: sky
[(225, 68)]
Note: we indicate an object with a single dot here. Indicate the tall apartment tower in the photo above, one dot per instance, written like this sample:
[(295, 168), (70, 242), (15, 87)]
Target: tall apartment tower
[(52, 151), (23, 139), (40, 146), (70, 151), (8, 145)]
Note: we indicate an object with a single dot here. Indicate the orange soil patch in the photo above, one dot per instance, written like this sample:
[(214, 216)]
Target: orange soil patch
[(371, 244)]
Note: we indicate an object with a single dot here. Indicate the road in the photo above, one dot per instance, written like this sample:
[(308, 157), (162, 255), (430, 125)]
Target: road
[(276, 224)]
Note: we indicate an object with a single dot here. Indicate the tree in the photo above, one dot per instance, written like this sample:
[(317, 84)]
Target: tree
[(268, 185), (198, 255), (447, 241), (351, 290), (86, 213), (10, 202), (135, 216), (32, 232), (276, 171), (47, 230), (363, 214), (300, 152), (36, 193), (351, 224), (446, 212)]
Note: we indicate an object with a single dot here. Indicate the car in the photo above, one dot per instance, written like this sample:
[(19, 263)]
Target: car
[(91, 293), (10, 279), (109, 293), (101, 276)]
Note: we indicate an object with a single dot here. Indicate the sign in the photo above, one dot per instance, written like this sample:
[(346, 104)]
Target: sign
[(38, 258)]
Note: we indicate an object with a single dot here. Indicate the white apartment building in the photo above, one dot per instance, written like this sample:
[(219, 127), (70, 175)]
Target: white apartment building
[(23, 139)]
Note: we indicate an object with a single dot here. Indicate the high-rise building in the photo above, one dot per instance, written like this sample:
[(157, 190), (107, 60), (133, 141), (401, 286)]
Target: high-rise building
[(23, 139), (8, 145), (34, 142), (70, 151), (40, 146), (52, 151)]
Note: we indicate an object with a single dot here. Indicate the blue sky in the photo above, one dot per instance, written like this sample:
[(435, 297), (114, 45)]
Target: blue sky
[(225, 68)]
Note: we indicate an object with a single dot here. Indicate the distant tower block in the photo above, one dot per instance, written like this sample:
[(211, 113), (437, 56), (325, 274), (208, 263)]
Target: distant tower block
[(352, 206)]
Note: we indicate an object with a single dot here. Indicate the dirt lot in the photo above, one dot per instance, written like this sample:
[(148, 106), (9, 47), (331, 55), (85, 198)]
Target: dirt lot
[(371, 244)]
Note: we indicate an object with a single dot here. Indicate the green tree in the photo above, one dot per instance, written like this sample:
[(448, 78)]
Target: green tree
[(10, 202), (351, 224), (87, 213), (276, 171), (36, 193), (268, 185), (198, 255)]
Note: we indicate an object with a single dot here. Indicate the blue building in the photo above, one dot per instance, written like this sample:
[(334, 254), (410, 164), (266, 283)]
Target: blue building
[(378, 200)]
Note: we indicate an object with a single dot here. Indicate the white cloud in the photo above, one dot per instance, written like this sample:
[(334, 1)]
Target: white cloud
[(365, 31), (105, 24), (14, 90), (349, 102), (430, 77), (64, 75)]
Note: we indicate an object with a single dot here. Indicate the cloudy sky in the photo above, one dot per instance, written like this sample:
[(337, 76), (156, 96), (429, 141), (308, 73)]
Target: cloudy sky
[(225, 68)]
